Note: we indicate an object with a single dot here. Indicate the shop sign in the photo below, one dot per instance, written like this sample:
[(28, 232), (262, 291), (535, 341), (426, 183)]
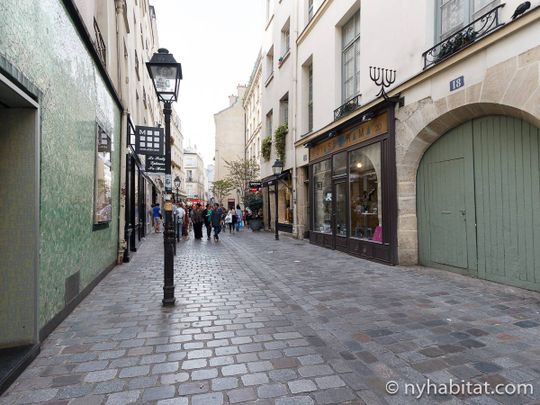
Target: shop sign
[(254, 186), (149, 141), (155, 164), (375, 127)]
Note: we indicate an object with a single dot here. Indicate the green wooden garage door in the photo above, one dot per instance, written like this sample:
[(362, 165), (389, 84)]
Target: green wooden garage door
[(478, 195)]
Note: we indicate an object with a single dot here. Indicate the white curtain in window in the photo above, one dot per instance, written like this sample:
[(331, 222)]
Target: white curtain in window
[(452, 15)]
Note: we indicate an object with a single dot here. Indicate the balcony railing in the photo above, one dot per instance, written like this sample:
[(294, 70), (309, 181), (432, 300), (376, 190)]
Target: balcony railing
[(466, 36), (347, 108), (100, 44)]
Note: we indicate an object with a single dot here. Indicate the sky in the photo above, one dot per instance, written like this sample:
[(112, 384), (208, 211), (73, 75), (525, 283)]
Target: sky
[(217, 43)]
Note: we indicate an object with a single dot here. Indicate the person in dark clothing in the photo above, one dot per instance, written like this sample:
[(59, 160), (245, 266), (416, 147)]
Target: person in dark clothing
[(215, 220), (207, 213), (197, 220)]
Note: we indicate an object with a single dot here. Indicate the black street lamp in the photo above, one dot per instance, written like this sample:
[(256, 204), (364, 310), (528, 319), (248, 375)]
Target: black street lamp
[(166, 74), (177, 183), (277, 168)]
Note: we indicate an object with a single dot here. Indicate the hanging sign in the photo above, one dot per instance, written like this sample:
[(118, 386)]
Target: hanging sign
[(149, 141), (155, 164)]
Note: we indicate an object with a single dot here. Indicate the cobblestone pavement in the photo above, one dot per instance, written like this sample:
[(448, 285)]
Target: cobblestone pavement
[(265, 322)]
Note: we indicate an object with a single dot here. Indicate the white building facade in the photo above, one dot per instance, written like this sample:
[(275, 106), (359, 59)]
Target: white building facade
[(412, 177)]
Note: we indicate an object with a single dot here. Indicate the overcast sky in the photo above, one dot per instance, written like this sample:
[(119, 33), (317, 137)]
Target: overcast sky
[(217, 42)]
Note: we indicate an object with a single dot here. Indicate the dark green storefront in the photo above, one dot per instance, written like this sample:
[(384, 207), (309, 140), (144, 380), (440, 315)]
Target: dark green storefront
[(478, 196)]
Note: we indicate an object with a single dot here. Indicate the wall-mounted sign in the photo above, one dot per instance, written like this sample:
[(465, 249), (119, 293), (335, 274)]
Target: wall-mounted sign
[(155, 164), (149, 141), (375, 127), (457, 83)]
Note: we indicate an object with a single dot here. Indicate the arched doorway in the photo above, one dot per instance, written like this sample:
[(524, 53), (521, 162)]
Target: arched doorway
[(478, 201)]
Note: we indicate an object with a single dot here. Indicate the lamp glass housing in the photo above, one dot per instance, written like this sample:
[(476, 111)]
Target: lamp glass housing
[(277, 167)]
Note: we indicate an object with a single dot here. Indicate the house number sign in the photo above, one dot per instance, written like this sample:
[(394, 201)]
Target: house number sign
[(457, 83)]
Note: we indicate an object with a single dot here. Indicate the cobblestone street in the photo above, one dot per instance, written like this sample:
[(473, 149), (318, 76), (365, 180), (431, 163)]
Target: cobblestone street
[(283, 322)]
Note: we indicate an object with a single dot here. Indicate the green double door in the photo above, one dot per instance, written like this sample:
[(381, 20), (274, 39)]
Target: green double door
[(478, 201)]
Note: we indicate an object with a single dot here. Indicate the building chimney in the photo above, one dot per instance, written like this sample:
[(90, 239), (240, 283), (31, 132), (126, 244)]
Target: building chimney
[(232, 99)]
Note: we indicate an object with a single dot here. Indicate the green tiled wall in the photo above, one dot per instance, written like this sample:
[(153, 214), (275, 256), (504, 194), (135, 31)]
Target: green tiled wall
[(39, 38)]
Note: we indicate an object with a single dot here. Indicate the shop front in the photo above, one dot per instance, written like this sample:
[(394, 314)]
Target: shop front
[(352, 188), (284, 202)]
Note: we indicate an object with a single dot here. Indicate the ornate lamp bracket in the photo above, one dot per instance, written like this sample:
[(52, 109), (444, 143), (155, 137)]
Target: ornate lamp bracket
[(384, 78)]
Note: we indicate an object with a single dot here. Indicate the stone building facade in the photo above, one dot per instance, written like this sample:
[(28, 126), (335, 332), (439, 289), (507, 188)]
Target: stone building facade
[(366, 168), (230, 140)]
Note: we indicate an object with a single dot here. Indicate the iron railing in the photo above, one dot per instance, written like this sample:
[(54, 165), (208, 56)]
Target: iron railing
[(466, 36), (99, 43), (347, 108)]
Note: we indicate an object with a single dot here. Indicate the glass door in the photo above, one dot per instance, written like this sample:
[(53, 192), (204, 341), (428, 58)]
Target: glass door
[(340, 214)]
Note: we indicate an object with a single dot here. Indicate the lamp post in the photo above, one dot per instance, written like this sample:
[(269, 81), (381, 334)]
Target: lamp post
[(277, 168), (166, 74)]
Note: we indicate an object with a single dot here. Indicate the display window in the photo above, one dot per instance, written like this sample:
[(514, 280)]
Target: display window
[(322, 196), (365, 193)]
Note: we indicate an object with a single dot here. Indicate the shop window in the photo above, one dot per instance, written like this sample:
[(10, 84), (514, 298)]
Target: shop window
[(322, 197), (285, 212), (365, 193), (103, 178), (340, 163)]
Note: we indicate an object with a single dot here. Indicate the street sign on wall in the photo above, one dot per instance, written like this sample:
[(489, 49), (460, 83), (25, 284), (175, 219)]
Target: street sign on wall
[(155, 164), (149, 141)]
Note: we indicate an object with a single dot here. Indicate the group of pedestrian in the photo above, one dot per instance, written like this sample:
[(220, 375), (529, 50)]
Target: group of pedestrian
[(211, 217)]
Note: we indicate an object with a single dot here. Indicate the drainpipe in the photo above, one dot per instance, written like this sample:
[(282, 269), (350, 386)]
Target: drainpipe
[(294, 58), (122, 243)]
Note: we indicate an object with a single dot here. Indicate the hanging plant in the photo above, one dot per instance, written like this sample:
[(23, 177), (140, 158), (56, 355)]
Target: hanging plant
[(279, 141), (266, 148)]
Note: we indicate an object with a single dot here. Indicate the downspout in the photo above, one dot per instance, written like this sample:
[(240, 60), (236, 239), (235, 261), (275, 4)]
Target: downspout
[(122, 243), (294, 18)]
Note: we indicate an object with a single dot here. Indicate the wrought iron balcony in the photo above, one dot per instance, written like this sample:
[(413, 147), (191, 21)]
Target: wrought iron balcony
[(466, 36), (347, 108), (99, 43)]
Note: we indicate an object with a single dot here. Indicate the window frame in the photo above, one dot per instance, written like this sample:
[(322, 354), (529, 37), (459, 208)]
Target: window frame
[(345, 47), (470, 15)]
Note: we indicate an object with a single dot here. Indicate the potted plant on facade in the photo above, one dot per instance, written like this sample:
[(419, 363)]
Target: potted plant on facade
[(266, 148), (279, 140)]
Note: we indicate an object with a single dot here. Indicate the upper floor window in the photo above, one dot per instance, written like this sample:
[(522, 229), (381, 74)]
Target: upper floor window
[(284, 109), (270, 63), (269, 118), (310, 97), (285, 39), (452, 15), (351, 57)]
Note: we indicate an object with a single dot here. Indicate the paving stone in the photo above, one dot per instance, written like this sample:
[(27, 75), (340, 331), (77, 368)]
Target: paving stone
[(224, 383), (332, 381), (164, 368), (271, 390), (142, 382), (155, 393), (193, 364), (192, 388), (109, 387), (134, 371), (215, 398), (234, 369), (255, 379), (168, 379), (121, 398), (298, 400), (241, 395), (283, 375), (206, 374), (174, 401), (298, 386), (316, 370), (98, 376)]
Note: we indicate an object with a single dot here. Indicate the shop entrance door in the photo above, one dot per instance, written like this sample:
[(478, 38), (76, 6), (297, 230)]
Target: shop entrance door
[(339, 214)]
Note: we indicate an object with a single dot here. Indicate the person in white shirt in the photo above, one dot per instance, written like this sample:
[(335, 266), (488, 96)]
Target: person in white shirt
[(180, 212)]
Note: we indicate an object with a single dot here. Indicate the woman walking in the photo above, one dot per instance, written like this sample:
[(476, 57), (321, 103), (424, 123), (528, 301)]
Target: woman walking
[(207, 215), (239, 217), (229, 220), (198, 221)]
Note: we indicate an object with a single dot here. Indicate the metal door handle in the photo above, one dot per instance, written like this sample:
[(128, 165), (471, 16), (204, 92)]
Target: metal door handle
[(463, 212)]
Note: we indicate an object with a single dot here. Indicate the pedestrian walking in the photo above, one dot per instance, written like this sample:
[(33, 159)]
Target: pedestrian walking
[(239, 217), (156, 215), (207, 214), (215, 220), (180, 213), (197, 220), (229, 220)]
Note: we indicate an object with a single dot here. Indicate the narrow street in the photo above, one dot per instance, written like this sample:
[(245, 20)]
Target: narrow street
[(267, 322)]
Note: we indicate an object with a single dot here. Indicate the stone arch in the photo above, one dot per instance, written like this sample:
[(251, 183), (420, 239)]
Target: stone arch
[(417, 129)]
